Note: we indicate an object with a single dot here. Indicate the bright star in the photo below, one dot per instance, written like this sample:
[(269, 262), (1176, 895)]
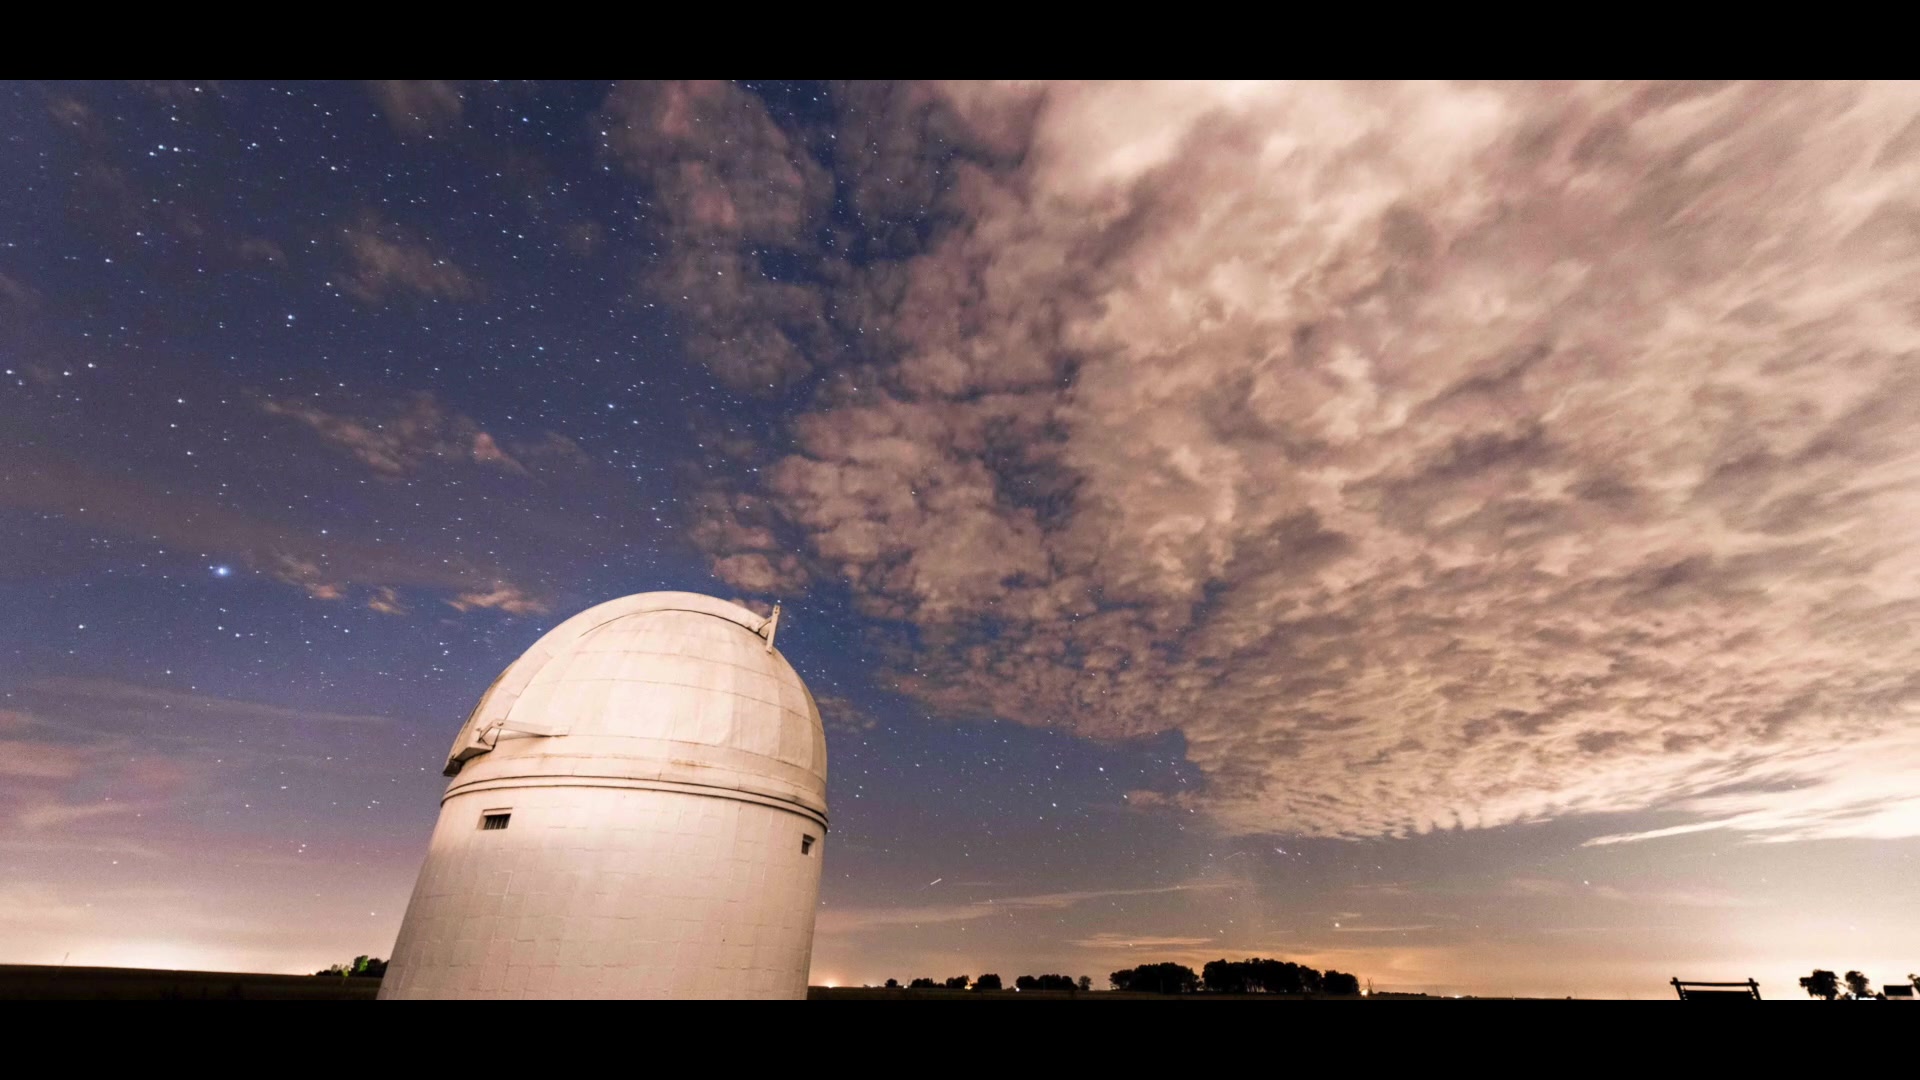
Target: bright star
[(222, 571)]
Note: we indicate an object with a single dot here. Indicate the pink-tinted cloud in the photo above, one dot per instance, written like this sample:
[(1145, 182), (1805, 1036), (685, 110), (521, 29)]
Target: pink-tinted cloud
[(837, 921), (325, 567), (90, 755), (385, 261), (40, 760), (1107, 941), (730, 189), (501, 597), (17, 294), (738, 534), (404, 437), (386, 601), (418, 106)]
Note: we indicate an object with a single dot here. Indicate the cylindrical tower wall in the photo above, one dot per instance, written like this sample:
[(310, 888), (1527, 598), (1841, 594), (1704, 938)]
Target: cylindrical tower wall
[(611, 892)]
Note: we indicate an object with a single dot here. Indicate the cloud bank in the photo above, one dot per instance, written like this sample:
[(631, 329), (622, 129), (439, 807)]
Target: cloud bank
[(1425, 455)]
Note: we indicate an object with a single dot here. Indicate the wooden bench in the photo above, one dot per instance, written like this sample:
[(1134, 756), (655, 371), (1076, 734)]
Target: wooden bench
[(1717, 991)]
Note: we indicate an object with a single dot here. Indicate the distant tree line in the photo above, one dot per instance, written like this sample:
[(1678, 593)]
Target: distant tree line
[(362, 967), (958, 982), (992, 982), (1825, 985), (1254, 976)]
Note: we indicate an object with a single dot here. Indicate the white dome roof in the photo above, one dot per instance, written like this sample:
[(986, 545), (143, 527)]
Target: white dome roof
[(668, 687)]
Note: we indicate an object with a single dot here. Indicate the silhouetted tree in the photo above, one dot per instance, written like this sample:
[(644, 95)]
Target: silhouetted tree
[(1821, 984), (1225, 976), (893, 984), (1121, 980), (1165, 979), (1859, 985), (959, 982), (1258, 976), (923, 984), (1044, 982), (1339, 982), (987, 982), (362, 966), (1284, 976), (1086, 982)]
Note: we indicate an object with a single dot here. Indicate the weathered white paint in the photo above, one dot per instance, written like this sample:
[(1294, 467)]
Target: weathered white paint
[(661, 764)]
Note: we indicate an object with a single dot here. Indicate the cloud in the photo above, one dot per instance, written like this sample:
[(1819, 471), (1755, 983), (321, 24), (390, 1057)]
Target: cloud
[(320, 581), (501, 597), (551, 447), (841, 714), (1424, 455), (18, 294), (1108, 941), (1863, 789), (403, 438), (386, 601), (102, 699), (385, 261), (40, 760), (734, 197), (96, 751), (83, 754), (1638, 898), (152, 510), (418, 106), (716, 159), (260, 249), (851, 920), (35, 816), (737, 533)]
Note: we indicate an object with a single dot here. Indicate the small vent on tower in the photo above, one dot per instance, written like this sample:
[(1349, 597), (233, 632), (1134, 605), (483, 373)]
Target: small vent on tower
[(495, 819), (806, 845)]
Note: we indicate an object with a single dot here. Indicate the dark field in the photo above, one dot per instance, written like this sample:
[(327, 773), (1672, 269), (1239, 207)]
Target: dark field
[(876, 993), (19, 982), (34, 983)]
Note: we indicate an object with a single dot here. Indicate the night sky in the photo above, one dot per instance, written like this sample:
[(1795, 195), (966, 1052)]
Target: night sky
[(1465, 535)]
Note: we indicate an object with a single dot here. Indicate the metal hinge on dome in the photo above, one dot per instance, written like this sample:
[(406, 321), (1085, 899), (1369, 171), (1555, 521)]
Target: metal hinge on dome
[(772, 624), (485, 738)]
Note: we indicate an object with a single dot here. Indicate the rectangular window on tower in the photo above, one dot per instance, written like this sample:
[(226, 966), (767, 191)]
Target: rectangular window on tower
[(494, 819), (806, 845)]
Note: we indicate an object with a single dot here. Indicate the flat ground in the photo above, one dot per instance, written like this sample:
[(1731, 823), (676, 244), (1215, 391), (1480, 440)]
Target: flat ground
[(21, 982), (876, 993)]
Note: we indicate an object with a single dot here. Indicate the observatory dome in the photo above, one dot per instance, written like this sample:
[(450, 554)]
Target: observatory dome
[(637, 809), (668, 686)]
